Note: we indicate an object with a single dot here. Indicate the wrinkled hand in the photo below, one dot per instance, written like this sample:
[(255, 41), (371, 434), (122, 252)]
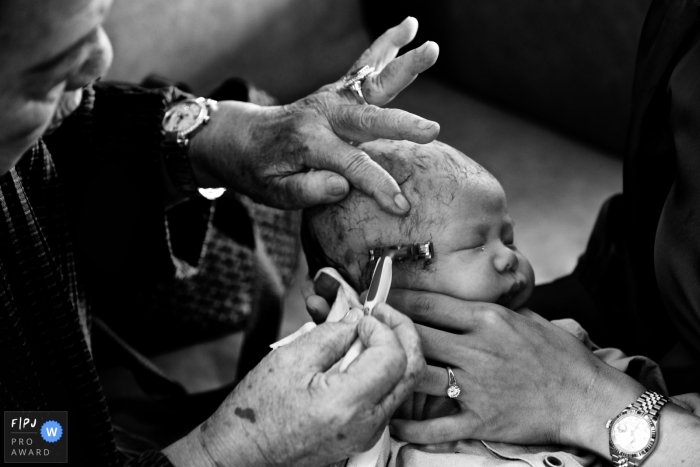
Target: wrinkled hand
[(300, 155), (523, 380), (290, 410)]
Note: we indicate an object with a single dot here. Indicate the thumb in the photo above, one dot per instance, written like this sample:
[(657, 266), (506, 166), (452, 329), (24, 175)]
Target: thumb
[(311, 188)]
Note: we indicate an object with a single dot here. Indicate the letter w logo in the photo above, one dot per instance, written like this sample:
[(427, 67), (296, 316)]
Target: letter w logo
[(52, 431)]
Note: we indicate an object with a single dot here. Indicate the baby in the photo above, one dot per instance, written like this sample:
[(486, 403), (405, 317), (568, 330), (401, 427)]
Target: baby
[(455, 203), (461, 208)]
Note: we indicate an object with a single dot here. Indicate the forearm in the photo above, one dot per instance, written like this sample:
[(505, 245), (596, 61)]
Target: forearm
[(230, 132), (609, 394), (202, 143)]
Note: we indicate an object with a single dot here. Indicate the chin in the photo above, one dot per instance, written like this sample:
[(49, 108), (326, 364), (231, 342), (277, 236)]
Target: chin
[(516, 303), (11, 152)]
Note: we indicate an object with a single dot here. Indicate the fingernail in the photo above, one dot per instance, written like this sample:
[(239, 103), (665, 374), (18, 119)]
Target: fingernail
[(401, 202), (425, 125), (335, 185), (351, 316)]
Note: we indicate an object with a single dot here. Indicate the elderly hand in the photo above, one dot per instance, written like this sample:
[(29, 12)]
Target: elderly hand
[(301, 154), (290, 410), (523, 380)]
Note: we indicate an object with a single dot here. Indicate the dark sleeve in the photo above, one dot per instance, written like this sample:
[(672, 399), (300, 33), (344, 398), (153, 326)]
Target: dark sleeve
[(108, 158), (677, 247), (641, 269)]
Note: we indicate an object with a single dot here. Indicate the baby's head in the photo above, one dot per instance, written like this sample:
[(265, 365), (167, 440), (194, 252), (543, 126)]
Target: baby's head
[(455, 203)]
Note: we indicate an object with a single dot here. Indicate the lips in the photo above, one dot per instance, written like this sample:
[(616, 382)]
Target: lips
[(512, 292)]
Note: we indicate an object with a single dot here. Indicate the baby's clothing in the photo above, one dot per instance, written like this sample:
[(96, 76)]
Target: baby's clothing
[(477, 453)]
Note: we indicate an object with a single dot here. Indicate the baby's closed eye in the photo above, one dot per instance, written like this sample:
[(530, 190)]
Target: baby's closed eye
[(472, 248), (473, 244)]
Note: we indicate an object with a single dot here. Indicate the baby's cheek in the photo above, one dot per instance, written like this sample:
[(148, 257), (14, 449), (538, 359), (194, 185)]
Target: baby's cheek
[(467, 284), (412, 278)]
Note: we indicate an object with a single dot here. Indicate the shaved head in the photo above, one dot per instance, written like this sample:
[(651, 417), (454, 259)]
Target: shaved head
[(431, 175)]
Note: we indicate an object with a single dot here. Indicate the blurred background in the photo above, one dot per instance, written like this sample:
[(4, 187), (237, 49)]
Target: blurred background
[(536, 91)]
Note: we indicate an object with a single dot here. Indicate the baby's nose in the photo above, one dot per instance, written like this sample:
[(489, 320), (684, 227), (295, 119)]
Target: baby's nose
[(506, 260)]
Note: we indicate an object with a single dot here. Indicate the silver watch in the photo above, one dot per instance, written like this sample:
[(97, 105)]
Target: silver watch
[(634, 433)]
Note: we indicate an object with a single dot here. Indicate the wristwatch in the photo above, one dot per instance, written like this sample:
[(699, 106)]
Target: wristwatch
[(183, 120), (634, 433)]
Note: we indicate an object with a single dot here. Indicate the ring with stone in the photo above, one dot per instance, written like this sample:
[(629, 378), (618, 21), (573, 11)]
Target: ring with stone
[(354, 80), (452, 387)]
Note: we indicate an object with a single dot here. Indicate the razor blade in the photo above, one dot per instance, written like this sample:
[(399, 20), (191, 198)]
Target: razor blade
[(398, 253)]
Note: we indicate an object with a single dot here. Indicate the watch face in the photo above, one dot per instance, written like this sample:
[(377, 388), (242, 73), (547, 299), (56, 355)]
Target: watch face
[(182, 116), (631, 433)]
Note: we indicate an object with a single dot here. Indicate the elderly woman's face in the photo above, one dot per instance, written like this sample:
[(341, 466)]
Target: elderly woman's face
[(49, 50)]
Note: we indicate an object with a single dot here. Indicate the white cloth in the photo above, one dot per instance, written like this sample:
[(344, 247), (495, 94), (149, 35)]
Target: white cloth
[(347, 298)]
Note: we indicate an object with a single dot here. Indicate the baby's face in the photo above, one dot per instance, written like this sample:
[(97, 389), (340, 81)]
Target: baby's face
[(475, 255), (456, 204)]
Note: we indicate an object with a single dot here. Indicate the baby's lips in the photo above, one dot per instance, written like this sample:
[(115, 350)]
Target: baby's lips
[(516, 287), (512, 292)]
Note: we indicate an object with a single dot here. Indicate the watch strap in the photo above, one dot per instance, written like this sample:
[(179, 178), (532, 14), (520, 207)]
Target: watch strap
[(179, 168), (623, 461), (650, 402)]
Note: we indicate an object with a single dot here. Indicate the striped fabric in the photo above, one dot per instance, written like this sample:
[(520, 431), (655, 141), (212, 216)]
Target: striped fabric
[(46, 358), (95, 241)]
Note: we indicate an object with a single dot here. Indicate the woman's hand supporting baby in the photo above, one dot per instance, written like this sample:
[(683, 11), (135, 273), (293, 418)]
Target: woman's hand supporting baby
[(525, 381), (300, 154)]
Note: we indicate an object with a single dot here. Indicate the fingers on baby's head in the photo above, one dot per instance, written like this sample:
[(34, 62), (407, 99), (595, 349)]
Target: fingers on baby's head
[(341, 234)]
